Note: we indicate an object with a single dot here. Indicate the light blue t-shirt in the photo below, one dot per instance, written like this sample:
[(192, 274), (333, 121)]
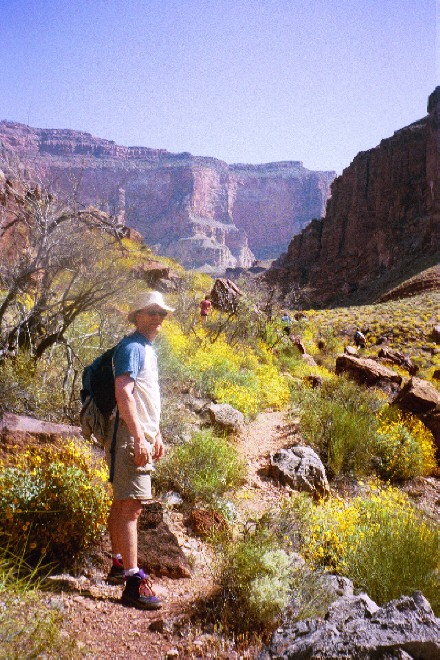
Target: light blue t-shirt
[(136, 357), (129, 356)]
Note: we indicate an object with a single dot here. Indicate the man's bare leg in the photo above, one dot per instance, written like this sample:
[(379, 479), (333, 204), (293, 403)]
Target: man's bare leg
[(122, 525)]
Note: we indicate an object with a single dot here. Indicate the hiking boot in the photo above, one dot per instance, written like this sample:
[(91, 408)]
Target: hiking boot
[(138, 592), (116, 575)]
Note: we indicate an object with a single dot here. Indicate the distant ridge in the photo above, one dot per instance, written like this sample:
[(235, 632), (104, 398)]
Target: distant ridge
[(199, 210)]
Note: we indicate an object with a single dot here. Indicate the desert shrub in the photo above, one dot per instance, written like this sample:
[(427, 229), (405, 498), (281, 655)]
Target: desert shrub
[(255, 577), (328, 345), (54, 501), (379, 540), (385, 319), (175, 419), (288, 522), (403, 446), (201, 470), (245, 377), (27, 388), (234, 375), (338, 421), (28, 627)]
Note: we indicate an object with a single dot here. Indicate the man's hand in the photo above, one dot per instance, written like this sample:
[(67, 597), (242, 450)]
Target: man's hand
[(159, 449), (142, 452)]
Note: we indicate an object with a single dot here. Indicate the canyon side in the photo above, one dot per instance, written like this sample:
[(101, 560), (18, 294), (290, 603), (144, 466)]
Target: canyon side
[(201, 211), (382, 222)]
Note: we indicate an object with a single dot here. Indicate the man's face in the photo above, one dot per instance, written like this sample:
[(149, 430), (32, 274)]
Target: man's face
[(149, 321)]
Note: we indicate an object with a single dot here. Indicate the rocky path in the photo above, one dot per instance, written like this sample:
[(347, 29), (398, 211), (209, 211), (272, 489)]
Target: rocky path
[(105, 629), (269, 432)]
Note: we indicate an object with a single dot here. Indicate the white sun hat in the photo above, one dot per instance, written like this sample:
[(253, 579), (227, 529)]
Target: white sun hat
[(145, 300)]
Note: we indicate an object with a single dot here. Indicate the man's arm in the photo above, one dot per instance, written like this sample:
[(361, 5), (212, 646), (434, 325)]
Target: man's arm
[(159, 449), (127, 410)]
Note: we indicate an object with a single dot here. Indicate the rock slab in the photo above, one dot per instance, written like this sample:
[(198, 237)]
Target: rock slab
[(301, 469), (355, 627), (366, 371)]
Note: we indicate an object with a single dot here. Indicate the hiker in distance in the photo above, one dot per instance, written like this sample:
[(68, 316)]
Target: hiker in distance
[(359, 339), (136, 442), (205, 308)]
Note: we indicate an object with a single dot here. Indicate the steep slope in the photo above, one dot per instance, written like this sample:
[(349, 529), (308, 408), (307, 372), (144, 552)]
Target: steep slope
[(201, 211), (382, 223)]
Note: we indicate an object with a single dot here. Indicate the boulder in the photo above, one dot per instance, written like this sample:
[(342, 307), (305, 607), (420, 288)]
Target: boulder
[(366, 371), (432, 421), (159, 552), (156, 275), (308, 359), (350, 350), (355, 627), (301, 469), (397, 357), (314, 381), (18, 431), (421, 398), (418, 396), (226, 417), (225, 295)]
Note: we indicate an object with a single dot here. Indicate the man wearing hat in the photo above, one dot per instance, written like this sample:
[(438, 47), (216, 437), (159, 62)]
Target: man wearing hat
[(132, 442)]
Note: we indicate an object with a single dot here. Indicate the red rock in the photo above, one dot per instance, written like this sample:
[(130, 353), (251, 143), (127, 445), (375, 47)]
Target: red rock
[(159, 552), (18, 431), (383, 216), (204, 522), (225, 295)]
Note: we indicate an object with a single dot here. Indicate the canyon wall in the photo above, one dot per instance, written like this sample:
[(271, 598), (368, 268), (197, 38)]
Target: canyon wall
[(382, 221), (201, 211)]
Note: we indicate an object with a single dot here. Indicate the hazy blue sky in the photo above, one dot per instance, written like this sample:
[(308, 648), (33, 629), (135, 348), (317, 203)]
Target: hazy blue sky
[(241, 80)]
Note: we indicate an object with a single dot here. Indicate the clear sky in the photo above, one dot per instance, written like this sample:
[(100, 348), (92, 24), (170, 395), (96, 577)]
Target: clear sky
[(248, 81)]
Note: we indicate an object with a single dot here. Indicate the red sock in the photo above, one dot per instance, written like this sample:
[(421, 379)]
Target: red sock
[(117, 562)]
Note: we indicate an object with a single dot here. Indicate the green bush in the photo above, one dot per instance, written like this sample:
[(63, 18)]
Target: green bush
[(338, 421), (255, 578), (201, 470), (28, 627), (379, 540), (397, 555), (54, 502), (27, 388), (404, 448)]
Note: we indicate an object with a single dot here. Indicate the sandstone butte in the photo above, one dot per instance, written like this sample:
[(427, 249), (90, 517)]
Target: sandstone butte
[(201, 211), (382, 222)]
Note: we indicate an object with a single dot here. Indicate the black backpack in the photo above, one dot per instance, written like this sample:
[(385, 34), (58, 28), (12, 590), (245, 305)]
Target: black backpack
[(98, 382), (97, 396)]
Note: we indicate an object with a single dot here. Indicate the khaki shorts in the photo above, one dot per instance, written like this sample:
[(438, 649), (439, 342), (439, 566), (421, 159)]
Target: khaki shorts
[(129, 480)]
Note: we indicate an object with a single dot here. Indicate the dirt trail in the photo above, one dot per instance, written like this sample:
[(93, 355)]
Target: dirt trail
[(108, 630), (269, 432)]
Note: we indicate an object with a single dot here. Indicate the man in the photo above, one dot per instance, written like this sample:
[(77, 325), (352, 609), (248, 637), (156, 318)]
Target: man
[(132, 446), (205, 308), (359, 339), (287, 322)]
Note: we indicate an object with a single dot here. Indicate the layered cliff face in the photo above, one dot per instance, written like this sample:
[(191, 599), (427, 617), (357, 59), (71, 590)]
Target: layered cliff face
[(201, 211), (382, 220)]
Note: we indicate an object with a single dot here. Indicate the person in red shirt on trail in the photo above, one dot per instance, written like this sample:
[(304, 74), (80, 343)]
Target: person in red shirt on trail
[(205, 308)]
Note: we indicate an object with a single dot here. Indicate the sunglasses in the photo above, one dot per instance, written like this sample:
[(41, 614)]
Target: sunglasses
[(157, 312)]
